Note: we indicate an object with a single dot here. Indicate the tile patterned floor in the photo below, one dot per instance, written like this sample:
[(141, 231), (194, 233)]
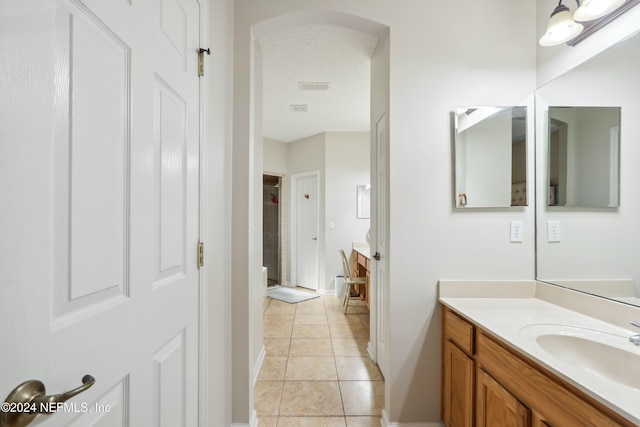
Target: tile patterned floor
[(316, 372)]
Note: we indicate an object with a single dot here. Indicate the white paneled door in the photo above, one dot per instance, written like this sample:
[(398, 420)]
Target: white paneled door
[(307, 229), (380, 242), (99, 152)]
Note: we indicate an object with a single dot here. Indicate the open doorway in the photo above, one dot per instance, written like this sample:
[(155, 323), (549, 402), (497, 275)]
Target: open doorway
[(313, 112), (272, 228)]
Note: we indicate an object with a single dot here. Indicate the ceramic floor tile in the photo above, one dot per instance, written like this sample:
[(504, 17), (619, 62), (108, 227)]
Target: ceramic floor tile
[(310, 422), (350, 347), (278, 330), (348, 331), (310, 347), (362, 397), (361, 422), (310, 309), (358, 369), (311, 368), (335, 309), (343, 319), (268, 421), (309, 398), (267, 396), (310, 319), (272, 369), (275, 319), (277, 346), (310, 331), (280, 309), (364, 318), (354, 309)]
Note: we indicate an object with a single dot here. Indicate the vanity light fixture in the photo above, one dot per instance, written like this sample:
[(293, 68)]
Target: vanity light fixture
[(594, 9), (563, 26)]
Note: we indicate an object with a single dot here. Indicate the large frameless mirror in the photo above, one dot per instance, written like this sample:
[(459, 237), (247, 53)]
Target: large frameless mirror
[(587, 228), (490, 157)]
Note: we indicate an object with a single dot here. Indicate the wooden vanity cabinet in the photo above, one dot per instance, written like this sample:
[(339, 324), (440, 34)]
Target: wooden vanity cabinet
[(458, 371), (497, 407), (486, 383)]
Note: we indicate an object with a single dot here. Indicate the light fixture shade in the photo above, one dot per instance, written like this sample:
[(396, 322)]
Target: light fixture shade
[(594, 9), (561, 27)]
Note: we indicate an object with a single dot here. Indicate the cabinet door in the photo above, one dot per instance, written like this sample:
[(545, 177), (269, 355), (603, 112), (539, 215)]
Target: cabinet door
[(457, 392), (538, 421), (496, 407)]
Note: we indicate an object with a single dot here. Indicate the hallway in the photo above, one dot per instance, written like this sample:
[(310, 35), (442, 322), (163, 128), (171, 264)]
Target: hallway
[(316, 371)]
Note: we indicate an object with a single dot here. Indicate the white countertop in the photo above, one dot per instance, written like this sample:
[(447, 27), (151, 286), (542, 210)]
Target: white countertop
[(362, 248), (504, 318)]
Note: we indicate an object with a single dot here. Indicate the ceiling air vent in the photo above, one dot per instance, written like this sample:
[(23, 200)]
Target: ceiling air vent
[(313, 85), (299, 108)]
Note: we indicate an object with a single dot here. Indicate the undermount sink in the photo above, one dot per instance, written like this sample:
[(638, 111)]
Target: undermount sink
[(606, 355)]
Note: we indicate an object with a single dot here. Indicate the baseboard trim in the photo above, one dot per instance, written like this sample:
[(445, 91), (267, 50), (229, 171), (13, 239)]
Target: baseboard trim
[(384, 422), (370, 351), (326, 292), (258, 365)]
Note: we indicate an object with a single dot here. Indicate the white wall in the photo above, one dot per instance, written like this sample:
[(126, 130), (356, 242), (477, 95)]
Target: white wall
[(347, 165), (275, 157), (436, 65), (218, 238)]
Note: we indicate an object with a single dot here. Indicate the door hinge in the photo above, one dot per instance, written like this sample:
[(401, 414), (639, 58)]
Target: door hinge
[(200, 254), (201, 53)]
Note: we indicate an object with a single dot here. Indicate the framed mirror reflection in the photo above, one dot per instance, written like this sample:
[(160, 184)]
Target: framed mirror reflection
[(490, 147), (583, 146)]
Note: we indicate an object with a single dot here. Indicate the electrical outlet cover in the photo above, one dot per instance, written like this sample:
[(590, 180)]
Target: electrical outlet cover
[(516, 231), (553, 231)]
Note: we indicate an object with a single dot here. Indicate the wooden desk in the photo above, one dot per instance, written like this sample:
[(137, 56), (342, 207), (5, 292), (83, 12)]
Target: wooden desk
[(361, 264)]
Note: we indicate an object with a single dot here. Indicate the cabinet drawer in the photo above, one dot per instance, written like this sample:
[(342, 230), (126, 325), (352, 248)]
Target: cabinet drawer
[(459, 331)]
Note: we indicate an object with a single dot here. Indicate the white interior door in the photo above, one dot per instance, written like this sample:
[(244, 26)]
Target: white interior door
[(307, 230), (379, 243), (100, 196)]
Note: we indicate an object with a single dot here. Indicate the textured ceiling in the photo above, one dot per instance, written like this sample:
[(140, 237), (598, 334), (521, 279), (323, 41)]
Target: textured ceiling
[(316, 53)]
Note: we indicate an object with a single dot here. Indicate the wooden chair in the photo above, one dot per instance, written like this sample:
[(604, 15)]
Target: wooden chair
[(349, 281)]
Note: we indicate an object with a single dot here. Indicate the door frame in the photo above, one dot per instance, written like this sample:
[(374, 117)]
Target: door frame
[(203, 316), (293, 225), (282, 224)]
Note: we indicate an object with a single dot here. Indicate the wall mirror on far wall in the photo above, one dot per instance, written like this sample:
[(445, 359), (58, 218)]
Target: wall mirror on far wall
[(592, 242), (363, 200), (490, 157)]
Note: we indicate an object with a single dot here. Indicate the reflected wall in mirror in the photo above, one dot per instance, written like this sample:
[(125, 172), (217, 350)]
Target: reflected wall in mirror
[(363, 201), (583, 145), (490, 157), (599, 249)]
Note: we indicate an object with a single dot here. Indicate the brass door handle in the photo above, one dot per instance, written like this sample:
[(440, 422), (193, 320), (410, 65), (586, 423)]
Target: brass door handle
[(28, 400)]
